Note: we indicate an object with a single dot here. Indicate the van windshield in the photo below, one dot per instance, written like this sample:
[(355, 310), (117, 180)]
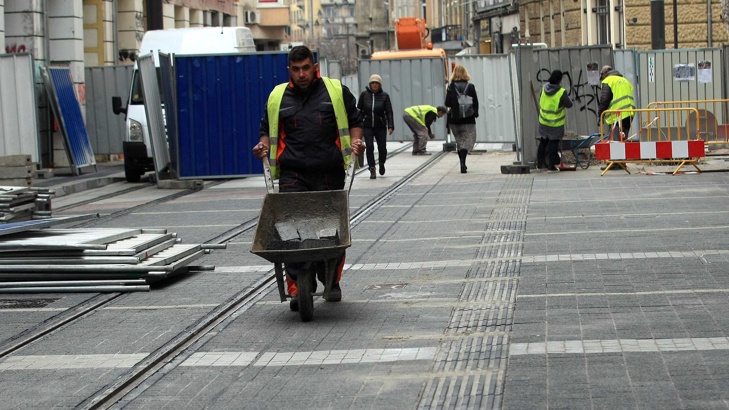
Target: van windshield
[(137, 97)]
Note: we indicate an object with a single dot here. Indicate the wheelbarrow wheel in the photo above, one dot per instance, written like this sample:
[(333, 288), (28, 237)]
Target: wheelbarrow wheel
[(306, 300)]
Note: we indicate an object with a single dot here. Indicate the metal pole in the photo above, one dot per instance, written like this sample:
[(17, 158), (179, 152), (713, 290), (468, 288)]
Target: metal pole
[(77, 289), (709, 40), (675, 24), (658, 27), (68, 283), (349, 59), (311, 23), (387, 24), (465, 20)]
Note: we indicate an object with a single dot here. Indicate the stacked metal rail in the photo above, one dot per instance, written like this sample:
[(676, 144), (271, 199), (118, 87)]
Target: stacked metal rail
[(22, 203), (35, 260)]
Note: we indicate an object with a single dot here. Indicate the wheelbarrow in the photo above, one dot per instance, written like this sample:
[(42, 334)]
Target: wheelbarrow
[(304, 227)]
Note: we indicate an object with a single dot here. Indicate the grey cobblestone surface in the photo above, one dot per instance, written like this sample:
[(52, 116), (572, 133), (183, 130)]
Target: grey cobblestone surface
[(482, 290)]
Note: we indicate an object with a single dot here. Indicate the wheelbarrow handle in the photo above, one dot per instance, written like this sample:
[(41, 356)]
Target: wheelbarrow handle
[(347, 181), (349, 177), (268, 176)]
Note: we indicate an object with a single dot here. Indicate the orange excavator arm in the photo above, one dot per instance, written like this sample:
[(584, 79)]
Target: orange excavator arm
[(411, 34)]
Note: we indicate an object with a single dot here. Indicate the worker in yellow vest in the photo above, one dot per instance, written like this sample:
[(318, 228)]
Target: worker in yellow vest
[(616, 93), (552, 118), (310, 127), (419, 118)]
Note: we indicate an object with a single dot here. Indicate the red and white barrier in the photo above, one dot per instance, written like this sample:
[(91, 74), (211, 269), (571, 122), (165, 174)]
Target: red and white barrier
[(669, 150), (682, 152)]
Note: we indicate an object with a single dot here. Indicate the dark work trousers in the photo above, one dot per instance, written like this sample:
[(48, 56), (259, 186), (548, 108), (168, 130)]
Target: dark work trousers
[(371, 135), (297, 181), (542, 153), (548, 154)]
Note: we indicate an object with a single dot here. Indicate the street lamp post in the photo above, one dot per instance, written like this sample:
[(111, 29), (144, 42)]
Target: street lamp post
[(387, 24), (349, 61), (311, 23)]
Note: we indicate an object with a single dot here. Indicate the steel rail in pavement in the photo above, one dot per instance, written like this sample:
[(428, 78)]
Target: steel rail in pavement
[(158, 359)]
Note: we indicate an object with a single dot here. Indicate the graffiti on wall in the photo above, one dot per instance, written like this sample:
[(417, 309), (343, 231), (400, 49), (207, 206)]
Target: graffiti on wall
[(583, 92), (15, 48)]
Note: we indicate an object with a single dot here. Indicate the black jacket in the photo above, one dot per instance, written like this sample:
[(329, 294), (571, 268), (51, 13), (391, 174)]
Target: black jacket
[(452, 101), (376, 109), (308, 128)]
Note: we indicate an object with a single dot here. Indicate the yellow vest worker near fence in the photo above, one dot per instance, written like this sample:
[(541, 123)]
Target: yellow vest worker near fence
[(616, 94), (553, 103), (309, 129), (419, 118)]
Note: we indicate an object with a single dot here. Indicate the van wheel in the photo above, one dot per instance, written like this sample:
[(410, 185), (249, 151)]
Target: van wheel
[(131, 173)]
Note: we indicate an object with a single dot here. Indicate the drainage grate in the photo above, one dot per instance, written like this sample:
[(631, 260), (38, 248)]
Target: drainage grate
[(25, 303)]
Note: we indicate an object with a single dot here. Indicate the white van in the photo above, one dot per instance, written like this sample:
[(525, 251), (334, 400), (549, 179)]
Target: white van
[(183, 41)]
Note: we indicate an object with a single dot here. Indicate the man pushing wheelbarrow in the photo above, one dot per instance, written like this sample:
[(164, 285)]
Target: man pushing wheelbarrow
[(309, 132)]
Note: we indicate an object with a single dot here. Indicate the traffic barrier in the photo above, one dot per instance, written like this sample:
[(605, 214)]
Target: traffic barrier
[(710, 119), (668, 124), (681, 152)]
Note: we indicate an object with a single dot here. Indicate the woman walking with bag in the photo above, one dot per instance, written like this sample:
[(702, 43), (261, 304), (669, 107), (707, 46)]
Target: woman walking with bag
[(462, 100), (376, 108)]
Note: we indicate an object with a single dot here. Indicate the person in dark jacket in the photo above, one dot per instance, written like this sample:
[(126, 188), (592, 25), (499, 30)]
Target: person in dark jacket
[(463, 128), (419, 118), (552, 117), (376, 107), (309, 129)]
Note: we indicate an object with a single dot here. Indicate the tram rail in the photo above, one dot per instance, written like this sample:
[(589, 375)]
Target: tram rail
[(162, 356), (156, 361)]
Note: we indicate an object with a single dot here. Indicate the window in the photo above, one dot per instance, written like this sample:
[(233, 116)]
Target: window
[(602, 17)]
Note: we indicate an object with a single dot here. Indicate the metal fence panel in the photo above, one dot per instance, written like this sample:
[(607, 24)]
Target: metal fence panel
[(167, 75), (106, 129), (155, 116), (625, 63), (408, 82), (352, 82), (681, 75), (220, 103), (67, 110), (18, 112), (492, 77), (581, 81)]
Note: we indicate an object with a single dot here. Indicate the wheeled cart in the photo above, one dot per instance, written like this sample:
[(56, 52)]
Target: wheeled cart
[(305, 227)]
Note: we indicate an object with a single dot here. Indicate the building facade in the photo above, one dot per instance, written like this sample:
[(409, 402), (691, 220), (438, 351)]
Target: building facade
[(620, 23)]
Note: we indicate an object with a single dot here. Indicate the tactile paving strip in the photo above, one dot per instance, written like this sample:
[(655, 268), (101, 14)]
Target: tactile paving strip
[(470, 366)]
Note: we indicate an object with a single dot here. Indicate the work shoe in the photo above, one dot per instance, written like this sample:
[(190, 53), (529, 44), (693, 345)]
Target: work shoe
[(335, 293), (373, 175), (382, 168), (294, 303)]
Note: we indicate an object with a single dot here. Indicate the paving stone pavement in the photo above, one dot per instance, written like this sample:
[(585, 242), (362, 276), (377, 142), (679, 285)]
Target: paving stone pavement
[(483, 290)]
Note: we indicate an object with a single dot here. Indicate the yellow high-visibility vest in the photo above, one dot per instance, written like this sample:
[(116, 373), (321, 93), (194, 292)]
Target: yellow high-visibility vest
[(550, 113), (334, 88), (622, 98), (419, 111)]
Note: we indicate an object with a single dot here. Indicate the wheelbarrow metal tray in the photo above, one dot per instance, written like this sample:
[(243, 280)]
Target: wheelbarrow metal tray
[(308, 211), (575, 143)]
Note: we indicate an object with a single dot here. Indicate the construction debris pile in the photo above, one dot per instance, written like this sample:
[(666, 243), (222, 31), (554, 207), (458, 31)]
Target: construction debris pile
[(35, 258)]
